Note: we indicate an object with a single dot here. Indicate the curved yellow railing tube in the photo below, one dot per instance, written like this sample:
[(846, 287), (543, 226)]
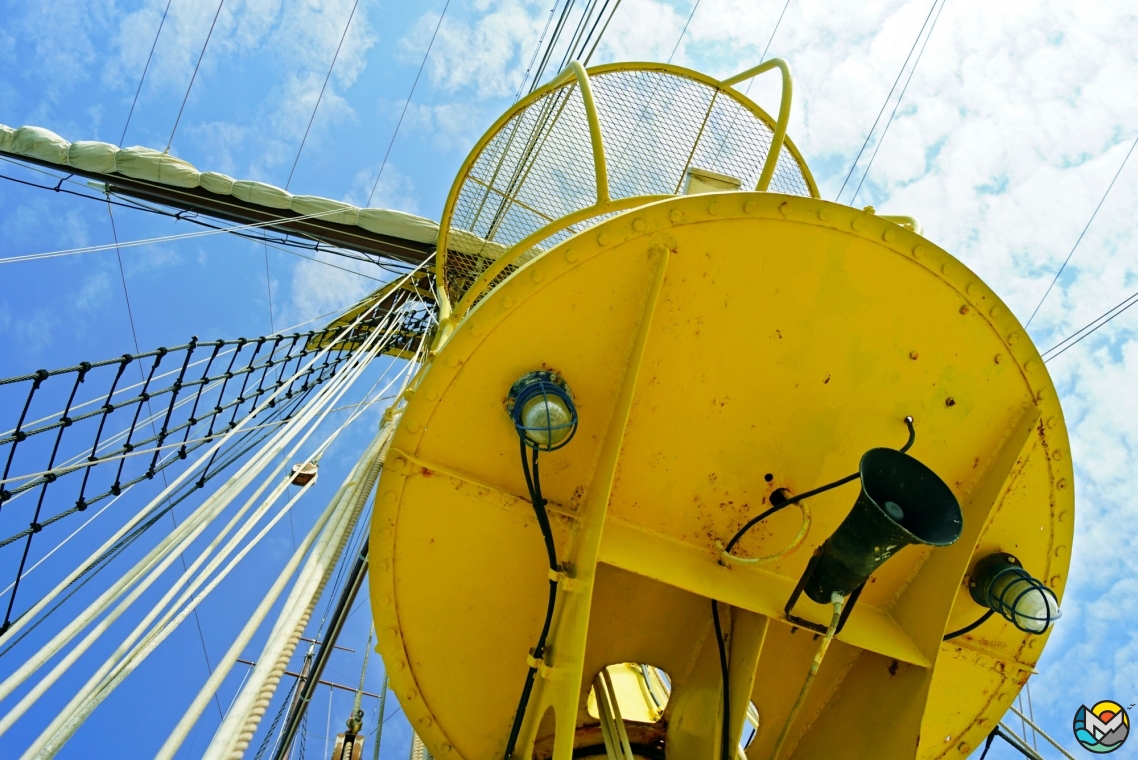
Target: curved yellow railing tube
[(575, 69), (783, 112)]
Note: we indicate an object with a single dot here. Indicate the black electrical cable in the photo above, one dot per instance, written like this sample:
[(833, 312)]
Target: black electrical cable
[(735, 540), (533, 484), (970, 627), (725, 740)]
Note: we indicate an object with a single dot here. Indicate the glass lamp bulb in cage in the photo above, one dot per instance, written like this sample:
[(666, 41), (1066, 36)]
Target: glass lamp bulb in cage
[(1000, 583), (547, 420), (542, 410)]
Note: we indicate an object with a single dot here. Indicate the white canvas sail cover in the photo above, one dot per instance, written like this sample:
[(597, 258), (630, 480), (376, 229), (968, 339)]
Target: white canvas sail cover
[(155, 166)]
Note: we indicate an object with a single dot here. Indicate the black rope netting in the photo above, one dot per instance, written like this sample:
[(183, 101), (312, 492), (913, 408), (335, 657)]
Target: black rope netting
[(77, 436)]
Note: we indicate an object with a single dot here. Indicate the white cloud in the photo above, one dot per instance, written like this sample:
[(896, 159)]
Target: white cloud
[(485, 55)]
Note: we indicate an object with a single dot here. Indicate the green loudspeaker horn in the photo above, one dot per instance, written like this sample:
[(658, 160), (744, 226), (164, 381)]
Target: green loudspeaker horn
[(901, 502)]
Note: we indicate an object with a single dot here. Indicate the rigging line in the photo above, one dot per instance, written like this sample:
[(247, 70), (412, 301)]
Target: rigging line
[(145, 69), (193, 77), (1084, 232), (269, 288), (536, 50), (685, 30), (604, 28), (137, 350), (593, 30), (130, 203), (67, 468), (582, 24), (160, 239), (1089, 328), (407, 102), (885, 131), (560, 27), (869, 135), (321, 95)]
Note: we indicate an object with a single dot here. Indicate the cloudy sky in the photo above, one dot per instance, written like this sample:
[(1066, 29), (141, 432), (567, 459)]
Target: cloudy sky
[(1010, 130)]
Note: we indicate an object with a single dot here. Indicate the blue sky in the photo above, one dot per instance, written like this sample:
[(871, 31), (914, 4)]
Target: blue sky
[(1011, 128)]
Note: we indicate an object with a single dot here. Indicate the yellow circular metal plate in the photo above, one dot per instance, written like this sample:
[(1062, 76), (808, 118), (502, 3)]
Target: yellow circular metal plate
[(784, 337)]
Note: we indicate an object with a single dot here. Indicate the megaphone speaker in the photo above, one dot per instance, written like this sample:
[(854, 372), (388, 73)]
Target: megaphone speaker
[(901, 502)]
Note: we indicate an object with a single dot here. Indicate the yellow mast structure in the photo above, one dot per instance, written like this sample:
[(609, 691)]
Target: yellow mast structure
[(700, 372)]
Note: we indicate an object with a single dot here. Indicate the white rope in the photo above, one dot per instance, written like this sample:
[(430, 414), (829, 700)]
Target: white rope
[(316, 414), (221, 670), (154, 504), (236, 483)]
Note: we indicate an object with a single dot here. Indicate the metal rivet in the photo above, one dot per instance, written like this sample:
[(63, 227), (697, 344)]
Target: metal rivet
[(1061, 483), (412, 694), (889, 235), (432, 394), (638, 225), (1013, 336), (604, 238), (385, 531), (385, 601), (390, 634), (713, 208), (857, 223), (426, 720), (570, 255), (538, 275), (676, 215), (823, 214), (384, 565), (750, 206), (507, 302), (452, 361), (400, 665), (446, 748), (1055, 579), (996, 311), (1057, 454), (1063, 515), (946, 267), (412, 427), (918, 251), (1052, 422), (389, 496), (400, 462), (964, 309), (999, 358), (913, 355), (784, 208), (1060, 551)]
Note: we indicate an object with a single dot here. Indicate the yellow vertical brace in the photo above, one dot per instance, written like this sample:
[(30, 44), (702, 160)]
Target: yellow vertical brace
[(571, 622), (783, 113)]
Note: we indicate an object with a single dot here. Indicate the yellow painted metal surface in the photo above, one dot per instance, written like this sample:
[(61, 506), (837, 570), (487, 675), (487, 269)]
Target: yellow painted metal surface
[(712, 341)]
